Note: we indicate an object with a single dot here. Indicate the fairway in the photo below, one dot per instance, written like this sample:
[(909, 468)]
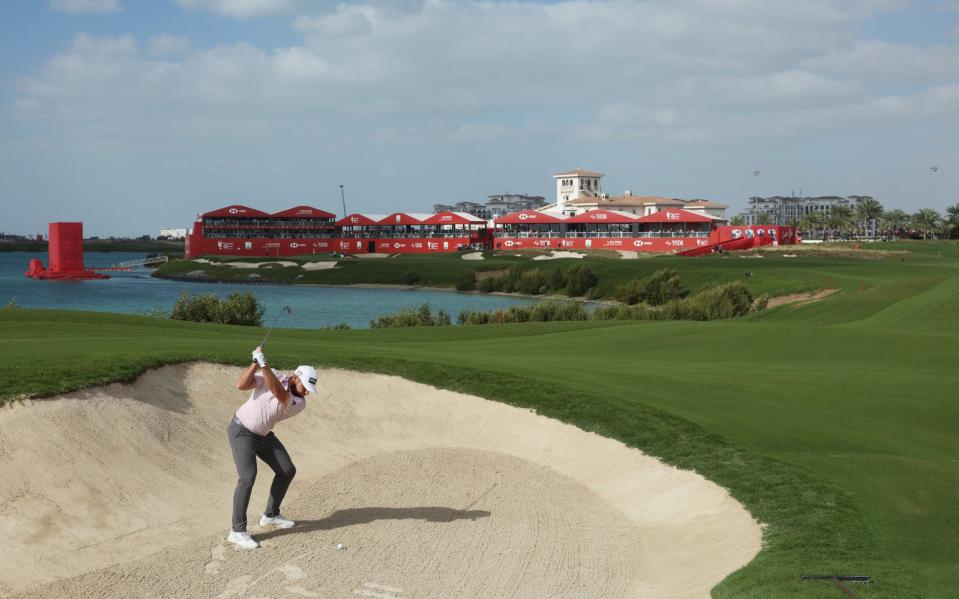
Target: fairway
[(832, 422)]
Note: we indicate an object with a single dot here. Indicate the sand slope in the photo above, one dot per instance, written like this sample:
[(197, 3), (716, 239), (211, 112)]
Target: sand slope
[(125, 491)]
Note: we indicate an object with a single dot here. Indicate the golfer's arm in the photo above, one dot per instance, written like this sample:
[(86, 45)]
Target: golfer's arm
[(246, 380), (273, 384)]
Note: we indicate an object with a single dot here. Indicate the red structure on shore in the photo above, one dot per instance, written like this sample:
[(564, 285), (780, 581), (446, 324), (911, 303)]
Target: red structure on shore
[(65, 249), (242, 231)]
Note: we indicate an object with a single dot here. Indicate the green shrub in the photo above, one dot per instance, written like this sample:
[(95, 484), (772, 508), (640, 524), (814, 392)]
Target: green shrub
[(713, 303), (545, 311), (421, 317), (657, 289), (240, 308), (634, 312), (466, 281), (579, 280), (557, 280), (488, 285), (531, 282), (412, 277)]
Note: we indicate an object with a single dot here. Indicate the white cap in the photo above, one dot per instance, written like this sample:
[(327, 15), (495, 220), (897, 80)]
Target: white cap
[(307, 376)]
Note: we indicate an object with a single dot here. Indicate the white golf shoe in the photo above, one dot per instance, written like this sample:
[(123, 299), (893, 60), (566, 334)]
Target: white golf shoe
[(278, 521), (242, 539)]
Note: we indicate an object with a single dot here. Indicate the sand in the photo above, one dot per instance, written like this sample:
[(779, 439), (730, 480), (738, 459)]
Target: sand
[(125, 491), (800, 298), (559, 254), (322, 265), (474, 256)]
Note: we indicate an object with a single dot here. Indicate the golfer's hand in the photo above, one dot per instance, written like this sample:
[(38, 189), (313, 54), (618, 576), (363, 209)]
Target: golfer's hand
[(258, 356)]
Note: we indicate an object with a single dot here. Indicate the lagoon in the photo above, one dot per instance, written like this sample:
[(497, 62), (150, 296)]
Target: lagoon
[(137, 292)]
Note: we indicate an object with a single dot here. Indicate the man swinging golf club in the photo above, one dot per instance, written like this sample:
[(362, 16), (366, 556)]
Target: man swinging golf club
[(274, 397)]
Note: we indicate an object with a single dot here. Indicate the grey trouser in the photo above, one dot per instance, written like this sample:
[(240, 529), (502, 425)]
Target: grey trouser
[(248, 446)]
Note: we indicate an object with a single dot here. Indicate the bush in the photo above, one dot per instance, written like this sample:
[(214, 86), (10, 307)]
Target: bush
[(422, 317), (531, 282), (546, 311), (488, 285), (579, 280), (713, 303), (635, 312), (557, 280), (411, 277), (466, 281), (657, 289), (240, 308)]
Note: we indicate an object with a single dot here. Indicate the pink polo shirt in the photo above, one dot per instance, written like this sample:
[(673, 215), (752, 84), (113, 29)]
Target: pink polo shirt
[(262, 411)]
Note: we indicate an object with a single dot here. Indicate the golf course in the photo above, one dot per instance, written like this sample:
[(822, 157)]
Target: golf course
[(833, 422)]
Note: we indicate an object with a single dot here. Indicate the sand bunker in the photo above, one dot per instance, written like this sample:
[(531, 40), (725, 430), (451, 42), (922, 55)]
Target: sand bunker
[(125, 491), (559, 254), (473, 256)]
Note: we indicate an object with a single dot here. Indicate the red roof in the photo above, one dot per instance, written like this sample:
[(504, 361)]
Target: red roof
[(305, 212), (404, 218), (601, 216), (528, 217), (237, 211), (453, 218), (675, 215), (359, 220)]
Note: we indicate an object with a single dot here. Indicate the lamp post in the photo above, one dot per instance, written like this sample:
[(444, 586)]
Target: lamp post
[(343, 198)]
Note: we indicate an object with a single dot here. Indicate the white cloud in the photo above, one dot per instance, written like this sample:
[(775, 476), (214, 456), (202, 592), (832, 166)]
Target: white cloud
[(85, 6), (244, 9), (168, 45)]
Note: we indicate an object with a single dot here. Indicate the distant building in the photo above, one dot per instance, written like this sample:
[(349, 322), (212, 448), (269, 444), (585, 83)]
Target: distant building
[(173, 233), (581, 190), (497, 205), (785, 210)]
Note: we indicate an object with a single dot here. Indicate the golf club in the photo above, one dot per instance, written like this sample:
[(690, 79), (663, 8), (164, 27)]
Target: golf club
[(276, 318)]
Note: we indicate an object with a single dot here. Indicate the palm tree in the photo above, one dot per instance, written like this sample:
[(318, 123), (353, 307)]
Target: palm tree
[(840, 219), (952, 220), (810, 222), (895, 221), (868, 211), (926, 220)]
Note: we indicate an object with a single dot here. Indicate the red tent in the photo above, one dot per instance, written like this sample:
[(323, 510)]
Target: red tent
[(237, 211), (603, 216), (360, 220), (304, 212), (404, 218), (675, 215), (454, 218), (528, 217)]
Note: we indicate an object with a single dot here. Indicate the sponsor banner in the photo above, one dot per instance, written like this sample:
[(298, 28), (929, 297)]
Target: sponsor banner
[(198, 246), (632, 244)]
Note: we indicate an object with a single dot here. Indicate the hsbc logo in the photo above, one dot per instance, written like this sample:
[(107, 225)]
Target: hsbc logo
[(673, 216), (433, 246), (295, 245), (446, 218), (640, 243), (508, 243), (397, 246)]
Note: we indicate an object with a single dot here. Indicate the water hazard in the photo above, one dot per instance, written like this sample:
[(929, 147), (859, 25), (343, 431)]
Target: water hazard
[(137, 292)]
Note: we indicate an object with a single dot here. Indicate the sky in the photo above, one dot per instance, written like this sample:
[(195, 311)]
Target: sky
[(136, 115)]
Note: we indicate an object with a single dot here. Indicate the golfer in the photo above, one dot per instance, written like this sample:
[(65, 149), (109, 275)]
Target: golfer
[(274, 397)]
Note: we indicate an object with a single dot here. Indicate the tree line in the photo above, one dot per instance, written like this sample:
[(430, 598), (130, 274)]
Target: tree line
[(869, 220)]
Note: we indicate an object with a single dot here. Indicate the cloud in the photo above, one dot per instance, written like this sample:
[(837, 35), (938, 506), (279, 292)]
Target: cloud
[(85, 6), (168, 45), (674, 71), (244, 9)]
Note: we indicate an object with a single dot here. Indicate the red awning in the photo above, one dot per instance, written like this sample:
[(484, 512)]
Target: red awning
[(528, 217), (453, 218), (675, 215), (304, 212), (237, 211), (360, 220), (601, 216), (404, 218)]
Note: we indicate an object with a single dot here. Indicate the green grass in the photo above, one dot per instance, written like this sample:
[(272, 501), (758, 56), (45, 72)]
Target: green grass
[(833, 422)]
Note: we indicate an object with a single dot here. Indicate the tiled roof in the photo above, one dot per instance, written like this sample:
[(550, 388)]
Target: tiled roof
[(578, 172)]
